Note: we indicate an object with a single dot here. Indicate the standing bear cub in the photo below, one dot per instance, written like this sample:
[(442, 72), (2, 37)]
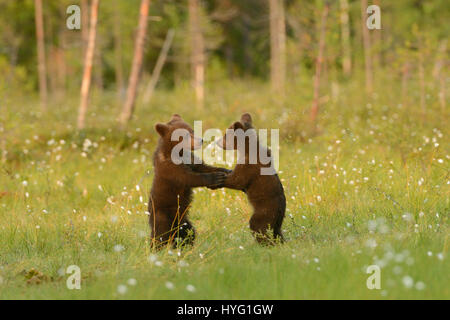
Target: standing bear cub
[(171, 192), (254, 174)]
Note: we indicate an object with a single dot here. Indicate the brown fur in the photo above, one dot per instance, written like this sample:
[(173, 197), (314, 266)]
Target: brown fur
[(171, 192), (265, 192)]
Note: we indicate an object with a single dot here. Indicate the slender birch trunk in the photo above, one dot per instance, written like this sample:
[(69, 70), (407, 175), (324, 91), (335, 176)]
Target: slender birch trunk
[(42, 70), (439, 74), (118, 65), (422, 79), (345, 39), (158, 66), (367, 48), (377, 44), (133, 81), (197, 53), (84, 25), (405, 77), (319, 62), (277, 45), (88, 60)]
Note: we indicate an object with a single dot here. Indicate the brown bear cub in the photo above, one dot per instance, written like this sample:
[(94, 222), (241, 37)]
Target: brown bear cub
[(171, 192), (264, 191)]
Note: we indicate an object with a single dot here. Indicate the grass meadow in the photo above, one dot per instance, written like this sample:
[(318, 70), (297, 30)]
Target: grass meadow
[(371, 188)]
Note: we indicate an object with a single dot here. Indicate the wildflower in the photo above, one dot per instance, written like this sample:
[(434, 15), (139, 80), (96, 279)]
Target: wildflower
[(371, 243), (170, 285), (190, 288), (118, 248), (182, 263), (122, 289), (420, 285), (132, 282), (408, 282), (407, 217)]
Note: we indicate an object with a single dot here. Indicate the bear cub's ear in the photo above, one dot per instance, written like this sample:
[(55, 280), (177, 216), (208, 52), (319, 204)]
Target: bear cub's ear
[(246, 118), (237, 125), (161, 129)]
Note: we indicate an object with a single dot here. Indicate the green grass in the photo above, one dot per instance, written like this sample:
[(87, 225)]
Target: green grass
[(371, 188)]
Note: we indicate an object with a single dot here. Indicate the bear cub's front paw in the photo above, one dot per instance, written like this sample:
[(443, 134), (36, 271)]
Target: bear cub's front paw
[(217, 180)]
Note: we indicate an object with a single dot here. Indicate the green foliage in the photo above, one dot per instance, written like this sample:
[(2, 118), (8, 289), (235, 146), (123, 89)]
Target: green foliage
[(236, 35)]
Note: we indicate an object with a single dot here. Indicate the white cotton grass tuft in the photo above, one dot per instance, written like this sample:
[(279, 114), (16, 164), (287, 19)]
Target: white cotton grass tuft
[(190, 288), (420, 285), (170, 285), (122, 289), (119, 248), (182, 263), (132, 282), (408, 282)]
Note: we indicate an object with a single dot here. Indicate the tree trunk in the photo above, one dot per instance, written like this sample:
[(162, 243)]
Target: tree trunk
[(133, 81), (422, 78), (438, 73), (118, 66), (405, 76), (377, 43), (345, 39), (88, 60), (277, 45), (197, 53), (319, 61), (41, 53), (158, 66), (84, 25), (442, 93), (62, 63), (367, 48), (440, 59)]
